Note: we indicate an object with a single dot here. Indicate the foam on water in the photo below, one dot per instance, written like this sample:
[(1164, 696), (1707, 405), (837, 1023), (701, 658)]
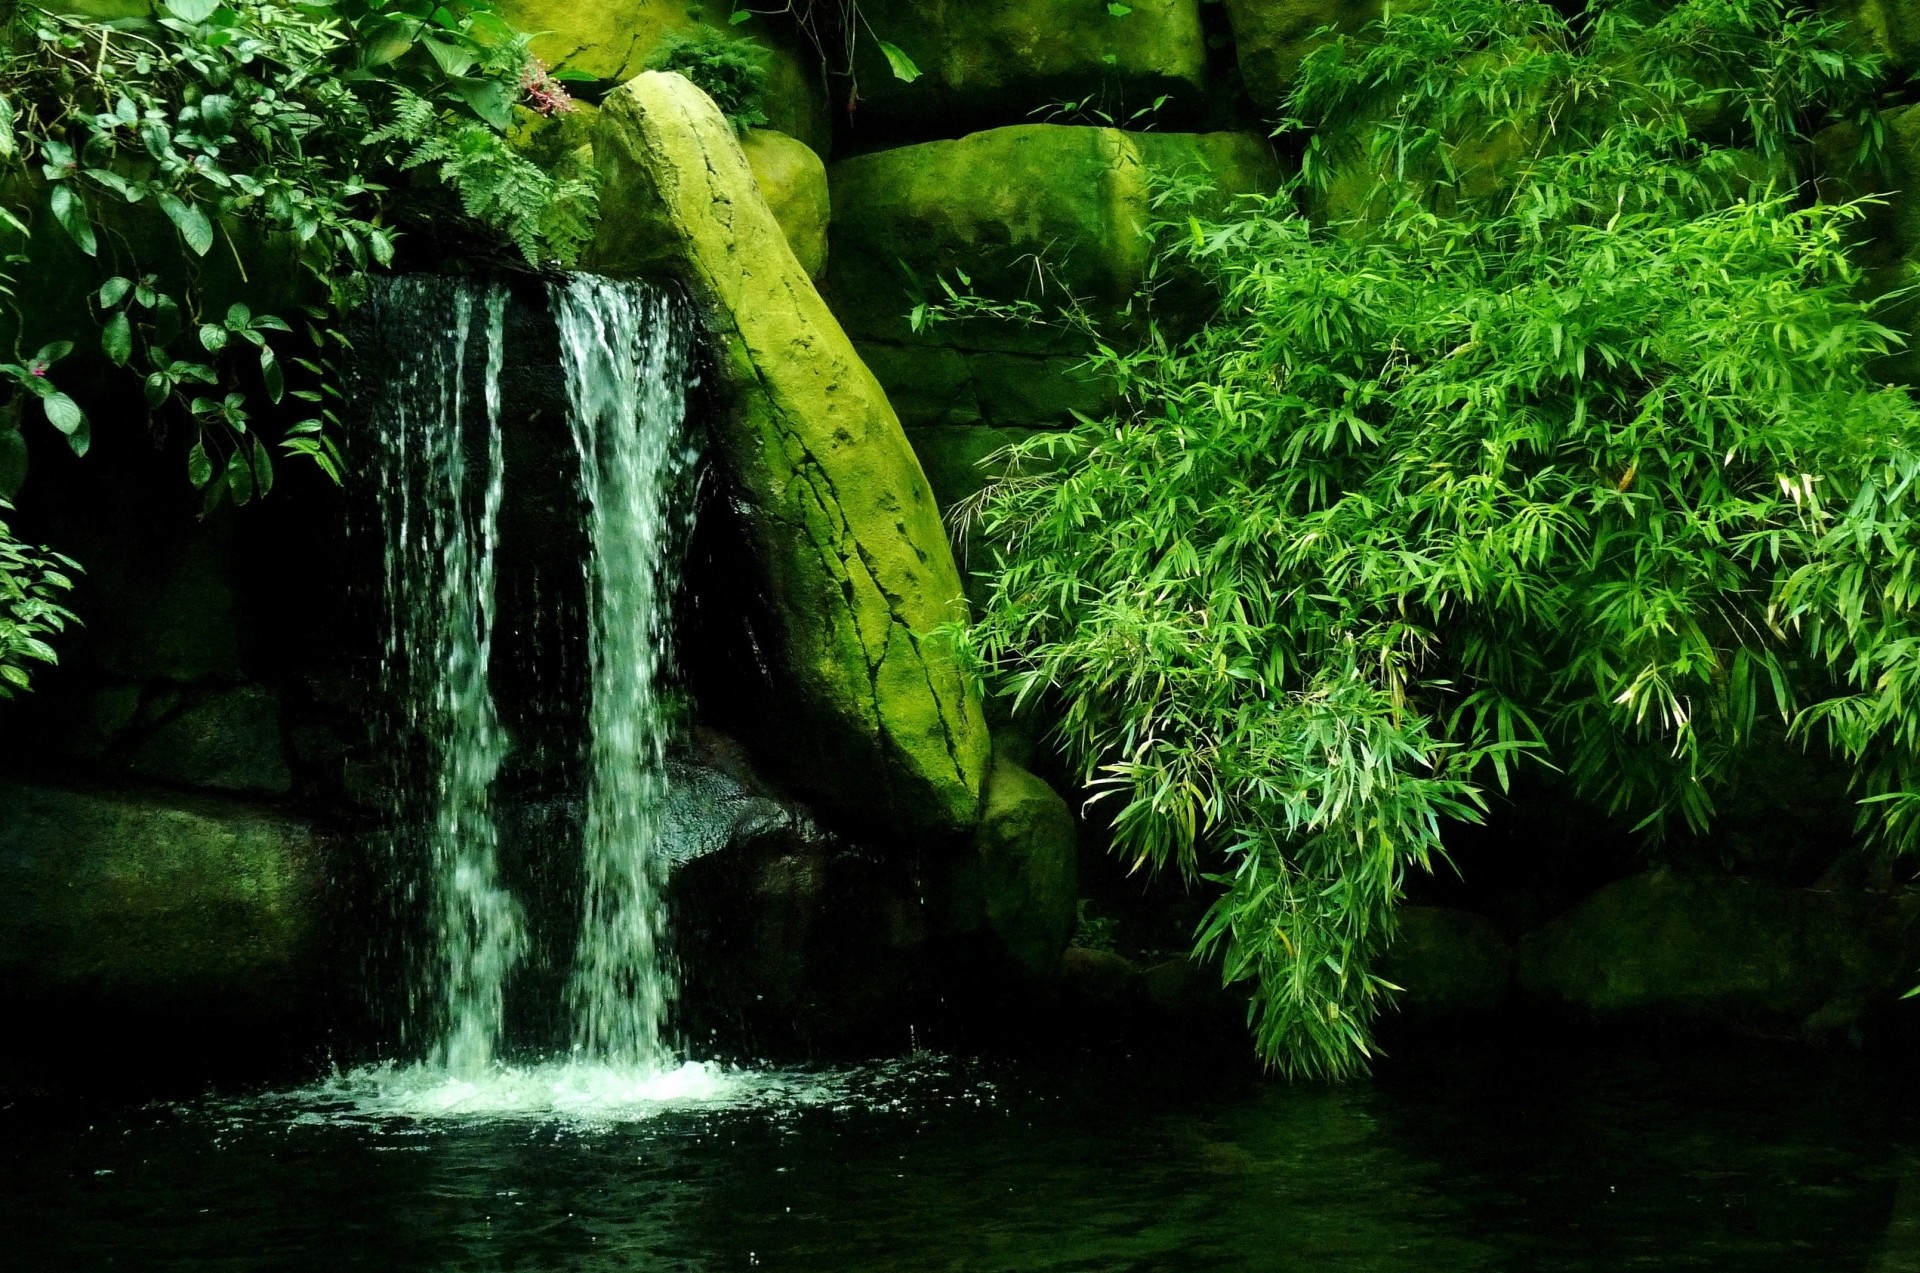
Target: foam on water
[(550, 1091)]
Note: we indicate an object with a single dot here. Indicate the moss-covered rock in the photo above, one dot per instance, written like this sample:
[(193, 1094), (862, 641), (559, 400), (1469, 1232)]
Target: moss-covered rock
[(987, 62), (1020, 882), (1889, 232), (154, 899), (857, 571), (793, 181), (1890, 28), (1726, 951), (613, 39), (993, 204), (229, 740), (955, 458), (993, 207), (1272, 36)]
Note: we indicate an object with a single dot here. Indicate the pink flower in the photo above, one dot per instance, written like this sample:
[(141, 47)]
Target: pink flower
[(544, 93)]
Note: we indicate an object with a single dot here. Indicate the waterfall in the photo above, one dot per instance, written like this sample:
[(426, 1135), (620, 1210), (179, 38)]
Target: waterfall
[(624, 355), (439, 524), (437, 470)]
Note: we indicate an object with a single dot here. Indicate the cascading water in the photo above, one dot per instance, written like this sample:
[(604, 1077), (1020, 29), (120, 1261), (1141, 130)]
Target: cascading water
[(624, 352), (441, 487), (439, 522)]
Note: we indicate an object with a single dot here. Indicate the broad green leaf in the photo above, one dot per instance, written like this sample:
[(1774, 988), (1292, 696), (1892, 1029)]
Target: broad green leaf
[(192, 10), (114, 290), (116, 338), (486, 98), (63, 413), (213, 337), (448, 55), (199, 467), (70, 210), (195, 230), (216, 115), (271, 374), (901, 65), (262, 469), (239, 475)]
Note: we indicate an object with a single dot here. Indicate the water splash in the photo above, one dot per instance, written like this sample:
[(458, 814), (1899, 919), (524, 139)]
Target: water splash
[(445, 737), (624, 352)]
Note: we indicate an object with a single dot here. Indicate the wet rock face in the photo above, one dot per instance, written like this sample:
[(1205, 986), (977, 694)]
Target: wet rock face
[(853, 561), (787, 937), (156, 902), (987, 62)]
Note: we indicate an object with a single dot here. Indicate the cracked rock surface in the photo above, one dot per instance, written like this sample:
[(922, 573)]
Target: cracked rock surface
[(854, 559)]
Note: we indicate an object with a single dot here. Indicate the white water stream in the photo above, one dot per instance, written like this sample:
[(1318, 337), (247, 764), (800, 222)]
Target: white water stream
[(439, 474)]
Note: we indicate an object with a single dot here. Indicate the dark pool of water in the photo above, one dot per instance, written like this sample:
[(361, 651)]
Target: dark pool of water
[(1556, 1158)]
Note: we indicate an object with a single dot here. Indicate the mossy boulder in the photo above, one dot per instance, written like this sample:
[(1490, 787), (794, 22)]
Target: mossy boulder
[(1720, 950), (1020, 882), (1449, 963), (1890, 28), (1888, 236), (994, 204), (793, 181), (996, 207), (987, 62), (228, 740), (1272, 37), (155, 900), (612, 40), (857, 574)]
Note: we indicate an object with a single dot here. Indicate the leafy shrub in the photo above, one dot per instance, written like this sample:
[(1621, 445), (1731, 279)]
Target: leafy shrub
[(733, 72), (1551, 441), (286, 125)]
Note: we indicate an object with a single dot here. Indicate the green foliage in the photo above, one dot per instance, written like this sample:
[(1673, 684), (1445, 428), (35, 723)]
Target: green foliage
[(733, 72), (1559, 448), (264, 131), (253, 125), (31, 581)]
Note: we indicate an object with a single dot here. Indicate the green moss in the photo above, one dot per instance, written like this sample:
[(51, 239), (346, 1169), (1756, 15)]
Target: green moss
[(615, 40), (857, 569), (998, 61), (127, 895), (793, 181), (1028, 868), (993, 204), (1272, 36)]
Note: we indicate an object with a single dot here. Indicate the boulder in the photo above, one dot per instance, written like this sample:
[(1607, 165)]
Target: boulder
[(1273, 36), (793, 181), (856, 571), (1725, 951), (1023, 873), (612, 39), (229, 740), (155, 901), (1889, 230), (986, 62), (1890, 28), (1448, 963), (957, 459), (996, 207)]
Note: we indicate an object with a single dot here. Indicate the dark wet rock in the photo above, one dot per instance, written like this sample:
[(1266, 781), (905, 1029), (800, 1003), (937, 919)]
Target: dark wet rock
[(1019, 882), (229, 740), (1449, 963), (1728, 952), (156, 902)]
